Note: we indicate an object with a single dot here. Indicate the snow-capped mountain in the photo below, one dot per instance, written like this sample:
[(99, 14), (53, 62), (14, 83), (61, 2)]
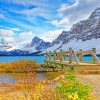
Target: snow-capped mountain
[(40, 44), (83, 35), (36, 45)]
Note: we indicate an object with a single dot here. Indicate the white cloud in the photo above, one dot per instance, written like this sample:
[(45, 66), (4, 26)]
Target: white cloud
[(32, 12), (15, 29), (30, 2), (10, 38), (40, 8), (26, 37), (6, 33), (61, 23), (78, 11), (7, 37), (51, 35), (38, 11)]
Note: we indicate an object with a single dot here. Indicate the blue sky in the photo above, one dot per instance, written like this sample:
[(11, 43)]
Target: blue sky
[(21, 20)]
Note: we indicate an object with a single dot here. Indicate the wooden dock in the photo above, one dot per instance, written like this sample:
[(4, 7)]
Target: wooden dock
[(75, 60)]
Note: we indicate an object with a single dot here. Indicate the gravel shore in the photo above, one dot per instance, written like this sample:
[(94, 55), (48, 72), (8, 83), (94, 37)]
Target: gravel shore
[(94, 81)]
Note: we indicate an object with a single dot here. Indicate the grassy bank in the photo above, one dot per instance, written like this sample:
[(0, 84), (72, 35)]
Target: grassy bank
[(19, 66)]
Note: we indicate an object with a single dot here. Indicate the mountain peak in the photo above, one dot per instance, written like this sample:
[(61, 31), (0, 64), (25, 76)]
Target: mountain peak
[(95, 13), (36, 45), (36, 40)]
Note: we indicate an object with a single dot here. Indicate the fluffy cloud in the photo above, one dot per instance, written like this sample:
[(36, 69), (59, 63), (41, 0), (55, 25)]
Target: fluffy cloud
[(6, 33), (25, 37), (38, 11), (51, 35), (79, 10), (30, 2), (15, 29), (61, 23), (9, 37), (35, 8)]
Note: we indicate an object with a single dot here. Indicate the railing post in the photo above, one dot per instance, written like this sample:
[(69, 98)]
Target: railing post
[(46, 56), (49, 55), (54, 55), (61, 55), (93, 57), (64, 56), (81, 56), (58, 56), (70, 55)]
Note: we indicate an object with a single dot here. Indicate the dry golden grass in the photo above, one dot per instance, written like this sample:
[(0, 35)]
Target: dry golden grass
[(19, 66)]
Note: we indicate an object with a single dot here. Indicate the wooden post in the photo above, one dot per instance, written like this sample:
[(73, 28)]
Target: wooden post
[(54, 55), (70, 55), (64, 56), (81, 56), (49, 55), (93, 57), (61, 55), (58, 56), (46, 56)]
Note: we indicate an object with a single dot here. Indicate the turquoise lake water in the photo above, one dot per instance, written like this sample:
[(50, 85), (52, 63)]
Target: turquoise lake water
[(38, 59)]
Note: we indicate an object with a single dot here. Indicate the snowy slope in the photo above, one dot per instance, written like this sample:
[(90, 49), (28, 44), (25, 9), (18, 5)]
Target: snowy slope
[(89, 44)]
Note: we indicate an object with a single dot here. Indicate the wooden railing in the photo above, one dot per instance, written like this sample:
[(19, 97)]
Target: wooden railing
[(61, 56)]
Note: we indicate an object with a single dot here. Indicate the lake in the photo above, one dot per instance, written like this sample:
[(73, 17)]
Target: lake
[(38, 59)]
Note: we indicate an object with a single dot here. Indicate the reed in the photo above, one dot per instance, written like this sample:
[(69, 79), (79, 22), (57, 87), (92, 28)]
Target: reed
[(21, 66)]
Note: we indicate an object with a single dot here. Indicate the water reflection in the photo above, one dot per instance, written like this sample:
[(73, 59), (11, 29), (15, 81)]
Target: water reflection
[(14, 78), (4, 78)]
